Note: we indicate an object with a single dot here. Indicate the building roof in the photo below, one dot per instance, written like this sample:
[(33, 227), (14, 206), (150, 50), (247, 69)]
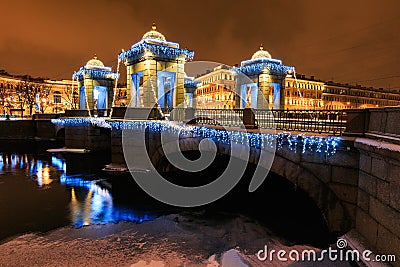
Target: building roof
[(94, 63), (96, 70), (261, 53), (153, 44), (153, 34)]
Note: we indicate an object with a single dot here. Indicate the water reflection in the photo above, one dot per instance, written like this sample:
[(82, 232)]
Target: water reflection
[(41, 172), (90, 201), (37, 170)]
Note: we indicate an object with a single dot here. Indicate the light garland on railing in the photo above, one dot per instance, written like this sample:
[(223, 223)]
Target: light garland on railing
[(78, 122), (163, 51), (319, 144)]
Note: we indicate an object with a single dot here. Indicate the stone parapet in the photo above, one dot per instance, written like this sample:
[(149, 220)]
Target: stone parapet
[(378, 204)]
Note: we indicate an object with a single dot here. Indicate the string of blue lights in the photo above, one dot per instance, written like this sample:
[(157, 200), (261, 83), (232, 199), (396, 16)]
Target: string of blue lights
[(258, 140), (94, 74), (254, 68), (139, 49)]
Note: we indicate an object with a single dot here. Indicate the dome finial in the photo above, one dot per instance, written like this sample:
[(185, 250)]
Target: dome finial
[(94, 63), (154, 34), (261, 53)]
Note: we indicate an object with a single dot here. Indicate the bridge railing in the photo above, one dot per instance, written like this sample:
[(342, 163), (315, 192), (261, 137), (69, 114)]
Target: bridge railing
[(318, 121), (225, 117)]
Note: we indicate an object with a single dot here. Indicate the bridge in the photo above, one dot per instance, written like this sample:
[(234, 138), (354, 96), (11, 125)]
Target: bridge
[(348, 161)]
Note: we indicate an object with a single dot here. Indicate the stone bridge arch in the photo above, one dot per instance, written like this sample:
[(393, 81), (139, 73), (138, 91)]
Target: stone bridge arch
[(59, 129), (318, 175)]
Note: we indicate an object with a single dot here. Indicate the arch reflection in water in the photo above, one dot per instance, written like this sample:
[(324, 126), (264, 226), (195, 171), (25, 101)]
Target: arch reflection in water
[(93, 204), (36, 169), (11, 161)]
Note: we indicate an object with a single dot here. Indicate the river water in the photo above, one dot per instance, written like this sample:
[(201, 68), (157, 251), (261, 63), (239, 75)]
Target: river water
[(36, 194), (40, 192)]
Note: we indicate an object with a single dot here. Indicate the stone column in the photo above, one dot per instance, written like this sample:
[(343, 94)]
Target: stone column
[(180, 83), (149, 83), (264, 91), (129, 71), (89, 84)]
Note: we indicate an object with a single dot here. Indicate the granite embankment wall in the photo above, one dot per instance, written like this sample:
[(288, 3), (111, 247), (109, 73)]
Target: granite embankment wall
[(27, 129)]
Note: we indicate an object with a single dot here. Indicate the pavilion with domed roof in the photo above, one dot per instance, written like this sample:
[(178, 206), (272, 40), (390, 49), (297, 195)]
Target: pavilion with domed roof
[(267, 79), (96, 83), (155, 71)]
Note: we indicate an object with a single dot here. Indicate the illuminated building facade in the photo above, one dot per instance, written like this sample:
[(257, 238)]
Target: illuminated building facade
[(24, 95), (120, 98), (216, 89), (303, 94), (336, 96), (228, 88), (345, 96), (96, 83), (62, 96), (155, 72)]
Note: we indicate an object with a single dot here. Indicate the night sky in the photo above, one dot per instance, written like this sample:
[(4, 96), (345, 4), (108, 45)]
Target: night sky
[(344, 40)]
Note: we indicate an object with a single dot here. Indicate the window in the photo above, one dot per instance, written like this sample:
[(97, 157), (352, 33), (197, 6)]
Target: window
[(57, 97)]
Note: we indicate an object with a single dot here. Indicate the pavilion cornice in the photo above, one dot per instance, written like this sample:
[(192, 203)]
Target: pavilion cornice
[(138, 51), (95, 74), (273, 67)]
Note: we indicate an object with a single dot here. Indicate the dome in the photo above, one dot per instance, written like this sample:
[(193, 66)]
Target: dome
[(261, 54), (94, 63), (154, 34)]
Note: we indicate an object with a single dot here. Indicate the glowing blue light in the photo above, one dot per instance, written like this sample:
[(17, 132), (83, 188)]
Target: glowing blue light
[(256, 67), (101, 209), (191, 83), (13, 161), (261, 60), (83, 121), (253, 139), (100, 122), (38, 170), (164, 43), (162, 50), (58, 163), (76, 181), (72, 121), (94, 74)]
